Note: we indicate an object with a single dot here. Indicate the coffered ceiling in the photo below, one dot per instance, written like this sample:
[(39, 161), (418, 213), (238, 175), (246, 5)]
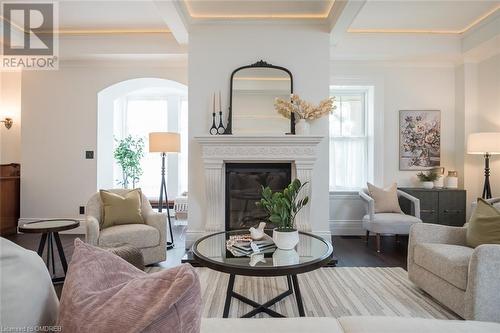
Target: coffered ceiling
[(422, 16)]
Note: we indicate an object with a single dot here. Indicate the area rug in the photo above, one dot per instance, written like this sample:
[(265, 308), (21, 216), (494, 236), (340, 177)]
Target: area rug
[(326, 292)]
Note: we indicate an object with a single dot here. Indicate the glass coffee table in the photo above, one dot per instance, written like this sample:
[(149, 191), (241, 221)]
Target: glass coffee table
[(311, 253), (50, 233)]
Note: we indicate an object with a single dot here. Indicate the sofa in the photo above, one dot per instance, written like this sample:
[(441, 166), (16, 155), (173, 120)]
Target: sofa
[(28, 300), (466, 280), (150, 238)]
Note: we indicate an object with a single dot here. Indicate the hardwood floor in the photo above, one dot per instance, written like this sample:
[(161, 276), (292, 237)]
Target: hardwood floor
[(350, 251)]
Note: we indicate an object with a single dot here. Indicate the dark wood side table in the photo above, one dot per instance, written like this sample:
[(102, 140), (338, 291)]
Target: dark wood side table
[(311, 253), (50, 233), (438, 205)]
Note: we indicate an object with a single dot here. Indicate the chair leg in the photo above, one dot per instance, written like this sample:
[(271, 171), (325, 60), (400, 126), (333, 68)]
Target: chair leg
[(378, 243), (367, 236)]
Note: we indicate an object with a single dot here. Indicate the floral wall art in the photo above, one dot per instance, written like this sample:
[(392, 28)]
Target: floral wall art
[(419, 139)]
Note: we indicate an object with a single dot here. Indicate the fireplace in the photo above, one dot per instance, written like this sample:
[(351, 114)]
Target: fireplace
[(244, 183)]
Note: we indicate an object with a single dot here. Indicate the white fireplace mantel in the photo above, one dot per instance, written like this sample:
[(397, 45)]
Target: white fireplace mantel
[(300, 150)]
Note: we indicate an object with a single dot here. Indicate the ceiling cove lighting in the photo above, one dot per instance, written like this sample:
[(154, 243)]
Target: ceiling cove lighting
[(427, 31), (258, 16)]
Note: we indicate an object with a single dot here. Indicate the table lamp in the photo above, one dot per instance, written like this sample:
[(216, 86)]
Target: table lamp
[(164, 142), (486, 144)]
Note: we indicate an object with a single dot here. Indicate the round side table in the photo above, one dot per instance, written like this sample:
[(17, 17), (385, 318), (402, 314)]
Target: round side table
[(50, 233)]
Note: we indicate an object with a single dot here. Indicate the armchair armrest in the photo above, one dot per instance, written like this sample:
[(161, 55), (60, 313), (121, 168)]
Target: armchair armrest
[(159, 222), (414, 201), (482, 297), (92, 230), (369, 203)]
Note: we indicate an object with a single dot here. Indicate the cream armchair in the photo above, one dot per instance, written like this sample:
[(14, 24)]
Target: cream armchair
[(388, 223), (150, 238), (465, 279)]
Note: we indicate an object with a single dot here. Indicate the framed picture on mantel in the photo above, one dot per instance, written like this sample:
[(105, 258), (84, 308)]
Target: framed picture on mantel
[(419, 139)]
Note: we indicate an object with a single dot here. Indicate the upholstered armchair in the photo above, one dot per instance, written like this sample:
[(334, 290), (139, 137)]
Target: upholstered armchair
[(150, 238), (466, 280), (388, 223)]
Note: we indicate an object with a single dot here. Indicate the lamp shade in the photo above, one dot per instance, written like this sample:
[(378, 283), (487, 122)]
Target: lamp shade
[(164, 142), (482, 143)]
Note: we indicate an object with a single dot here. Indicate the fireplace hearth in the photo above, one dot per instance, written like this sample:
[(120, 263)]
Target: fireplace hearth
[(244, 183)]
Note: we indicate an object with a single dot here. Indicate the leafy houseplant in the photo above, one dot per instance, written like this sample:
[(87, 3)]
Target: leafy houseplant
[(128, 154), (428, 178), (282, 208)]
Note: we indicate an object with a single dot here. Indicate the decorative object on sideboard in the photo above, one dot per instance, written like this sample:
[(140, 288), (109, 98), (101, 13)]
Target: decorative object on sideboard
[(419, 139), (7, 122), (282, 208), (486, 144), (452, 179), (303, 111), (165, 142), (253, 89), (439, 182), (428, 178), (220, 129)]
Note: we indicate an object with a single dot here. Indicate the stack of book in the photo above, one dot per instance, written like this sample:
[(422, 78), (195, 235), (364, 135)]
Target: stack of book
[(245, 248)]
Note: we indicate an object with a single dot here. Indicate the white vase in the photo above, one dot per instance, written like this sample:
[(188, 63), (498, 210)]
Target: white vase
[(428, 185), (302, 127), (439, 183), (285, 240), (285, 257)]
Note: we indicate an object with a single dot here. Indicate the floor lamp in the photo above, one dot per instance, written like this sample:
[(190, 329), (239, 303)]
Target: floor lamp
[(485, 144), (164, 142)]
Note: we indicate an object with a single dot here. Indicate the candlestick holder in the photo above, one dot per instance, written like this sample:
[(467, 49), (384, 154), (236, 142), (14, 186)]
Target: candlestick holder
[(220, 129), (213, 129)]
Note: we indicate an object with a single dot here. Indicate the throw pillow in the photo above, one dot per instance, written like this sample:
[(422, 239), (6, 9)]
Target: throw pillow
[(104, 293), (484, 225), (118, 209), (386, 200)]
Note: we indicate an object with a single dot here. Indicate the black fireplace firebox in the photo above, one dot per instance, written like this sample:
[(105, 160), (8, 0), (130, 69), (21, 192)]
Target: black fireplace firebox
[(244, 183)]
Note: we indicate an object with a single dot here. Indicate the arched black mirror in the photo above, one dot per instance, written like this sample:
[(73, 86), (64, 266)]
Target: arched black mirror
[(253, 90)]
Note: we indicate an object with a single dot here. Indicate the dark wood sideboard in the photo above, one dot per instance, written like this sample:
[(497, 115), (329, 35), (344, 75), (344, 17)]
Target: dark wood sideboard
[(10, 190), (439, 206)]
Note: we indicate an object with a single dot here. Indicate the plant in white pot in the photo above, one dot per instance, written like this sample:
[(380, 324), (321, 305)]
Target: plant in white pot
[(303, 111), (427, 179), (282, 208)]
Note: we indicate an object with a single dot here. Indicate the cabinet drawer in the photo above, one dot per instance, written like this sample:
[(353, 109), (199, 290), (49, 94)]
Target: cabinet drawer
[(452, 208)]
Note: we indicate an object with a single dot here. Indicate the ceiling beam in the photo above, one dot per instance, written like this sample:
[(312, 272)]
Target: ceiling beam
[(341, 17), (173, 17)]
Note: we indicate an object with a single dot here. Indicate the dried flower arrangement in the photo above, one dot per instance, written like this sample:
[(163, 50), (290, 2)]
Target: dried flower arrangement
[(303, 109)]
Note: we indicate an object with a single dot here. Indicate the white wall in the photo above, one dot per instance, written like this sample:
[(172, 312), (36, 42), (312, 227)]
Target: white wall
[(10, 106), (59, 123), (396, 87), (214, 52)]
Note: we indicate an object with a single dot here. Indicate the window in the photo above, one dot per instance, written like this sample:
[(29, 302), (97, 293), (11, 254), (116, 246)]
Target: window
[(138, 115), (349, 139)]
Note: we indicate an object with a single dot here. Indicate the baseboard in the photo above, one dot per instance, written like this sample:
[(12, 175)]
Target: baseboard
[(77, 231), (347, 227)]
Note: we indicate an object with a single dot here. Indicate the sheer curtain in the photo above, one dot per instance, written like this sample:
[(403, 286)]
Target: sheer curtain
[(348, 141)]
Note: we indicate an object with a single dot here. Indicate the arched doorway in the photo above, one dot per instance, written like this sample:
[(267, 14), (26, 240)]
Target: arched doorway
[(135, 108)]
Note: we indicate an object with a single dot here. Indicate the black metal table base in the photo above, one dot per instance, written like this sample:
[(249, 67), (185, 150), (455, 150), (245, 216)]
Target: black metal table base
[(293, 287), (49, 238)]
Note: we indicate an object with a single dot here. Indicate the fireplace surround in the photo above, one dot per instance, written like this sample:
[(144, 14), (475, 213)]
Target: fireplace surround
[(300, 151)]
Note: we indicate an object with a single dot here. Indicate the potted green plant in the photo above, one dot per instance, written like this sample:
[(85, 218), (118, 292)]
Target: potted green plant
[(427, 179), (282, 208), (128, 154)]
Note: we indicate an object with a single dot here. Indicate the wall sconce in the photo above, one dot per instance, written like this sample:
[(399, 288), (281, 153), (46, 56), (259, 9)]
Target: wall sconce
[(7, 122)]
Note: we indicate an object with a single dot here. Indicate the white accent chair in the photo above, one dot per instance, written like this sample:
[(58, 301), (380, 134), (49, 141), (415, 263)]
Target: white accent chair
[(388, 223), (465, 279), (150, 238)]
